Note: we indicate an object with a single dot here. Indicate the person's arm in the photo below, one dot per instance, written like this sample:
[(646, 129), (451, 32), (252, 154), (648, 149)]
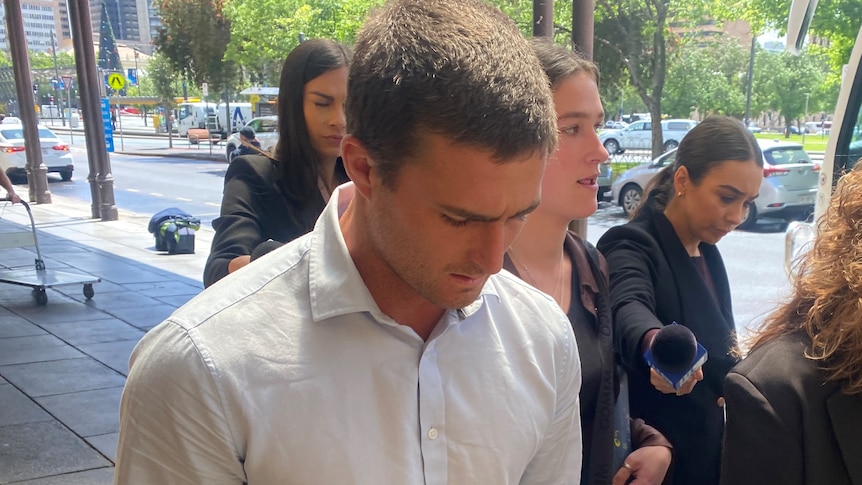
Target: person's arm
[(173, 427), (650, 459), (559, 456), (8, 187), (759, 446), (239, 228)]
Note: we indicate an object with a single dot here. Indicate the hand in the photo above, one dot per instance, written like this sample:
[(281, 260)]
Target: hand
[(648, 466), (664, 386), (14, 197)]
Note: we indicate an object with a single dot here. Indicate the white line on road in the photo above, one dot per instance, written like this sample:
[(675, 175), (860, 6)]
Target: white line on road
[(213, 204), (183, 199), (132, 190), (156, 194)]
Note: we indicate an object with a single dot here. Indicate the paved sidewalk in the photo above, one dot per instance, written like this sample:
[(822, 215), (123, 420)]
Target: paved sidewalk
[(63, 365)]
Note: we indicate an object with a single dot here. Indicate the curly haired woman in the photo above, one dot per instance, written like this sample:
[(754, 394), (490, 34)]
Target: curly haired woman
[(794, 405)]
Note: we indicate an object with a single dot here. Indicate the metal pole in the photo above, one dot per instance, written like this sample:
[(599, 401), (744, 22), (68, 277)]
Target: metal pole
[(750, 80), (57, 75), (805, 123), (583, 26), (89, 81), (582, 40), (37, 172), (543, 18)]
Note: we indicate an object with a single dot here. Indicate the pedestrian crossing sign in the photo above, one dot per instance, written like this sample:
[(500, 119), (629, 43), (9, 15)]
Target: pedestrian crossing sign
[(116, 81)]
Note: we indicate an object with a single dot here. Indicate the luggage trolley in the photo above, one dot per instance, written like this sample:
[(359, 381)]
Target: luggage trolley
[(39, 278)]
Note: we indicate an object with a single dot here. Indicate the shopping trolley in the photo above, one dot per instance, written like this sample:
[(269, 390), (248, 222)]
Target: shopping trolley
[(39, 278)]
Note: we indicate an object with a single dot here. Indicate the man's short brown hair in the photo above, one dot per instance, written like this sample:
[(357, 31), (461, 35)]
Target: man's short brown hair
[(458, 68)]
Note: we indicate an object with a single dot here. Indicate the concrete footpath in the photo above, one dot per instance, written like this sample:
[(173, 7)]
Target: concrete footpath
[(63, 365)]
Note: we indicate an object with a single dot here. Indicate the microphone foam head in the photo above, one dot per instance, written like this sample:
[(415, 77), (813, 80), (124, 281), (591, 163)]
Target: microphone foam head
[(674, 348)]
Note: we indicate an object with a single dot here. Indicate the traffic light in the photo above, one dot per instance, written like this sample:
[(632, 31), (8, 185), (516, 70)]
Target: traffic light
[(35, 88)]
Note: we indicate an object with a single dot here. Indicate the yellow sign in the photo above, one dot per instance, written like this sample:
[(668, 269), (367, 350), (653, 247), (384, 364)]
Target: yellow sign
[(253, 99), (116, 81)]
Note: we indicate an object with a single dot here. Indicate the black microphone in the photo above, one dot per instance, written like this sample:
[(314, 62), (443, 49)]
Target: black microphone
[(675, 354), (265, 247)]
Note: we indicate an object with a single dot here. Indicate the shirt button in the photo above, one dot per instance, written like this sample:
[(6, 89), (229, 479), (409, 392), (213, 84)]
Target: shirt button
[(432, 433)]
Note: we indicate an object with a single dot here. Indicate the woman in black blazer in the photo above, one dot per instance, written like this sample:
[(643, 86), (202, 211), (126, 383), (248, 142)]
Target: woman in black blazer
[(794, 405), (279, 197), (665, 268)]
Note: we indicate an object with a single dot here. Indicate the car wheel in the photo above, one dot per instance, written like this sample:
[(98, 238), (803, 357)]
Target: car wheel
[(750, 218), (66, 175), (630, 198), (612, 146), (670, 145)]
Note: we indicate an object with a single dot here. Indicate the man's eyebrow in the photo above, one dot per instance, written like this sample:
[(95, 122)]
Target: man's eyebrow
[(474, 217), (328, 97), (581, 114)]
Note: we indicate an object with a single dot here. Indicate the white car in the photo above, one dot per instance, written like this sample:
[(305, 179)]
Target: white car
[(638, 135), (787, 191), (265, 130), (13, 157)]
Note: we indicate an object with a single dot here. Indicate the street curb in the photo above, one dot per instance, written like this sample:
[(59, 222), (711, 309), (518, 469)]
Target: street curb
[(160, 152)]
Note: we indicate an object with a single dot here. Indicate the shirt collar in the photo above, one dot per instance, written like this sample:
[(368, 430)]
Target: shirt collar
[(336, 288)]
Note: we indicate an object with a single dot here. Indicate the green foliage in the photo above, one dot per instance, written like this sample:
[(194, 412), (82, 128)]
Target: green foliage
[(265, 31), (836, 20), (162, 79), (782, 79), (194, 38), (109, 57)]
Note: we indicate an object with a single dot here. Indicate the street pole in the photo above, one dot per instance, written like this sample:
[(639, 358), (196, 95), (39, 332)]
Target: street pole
[(37, 172), (89, 82), (543, 19), (582, 33), (57, 90), (750, 80), (805, 123)]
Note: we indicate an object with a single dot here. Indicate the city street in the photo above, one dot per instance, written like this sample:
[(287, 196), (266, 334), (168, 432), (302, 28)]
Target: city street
[(148, 184)]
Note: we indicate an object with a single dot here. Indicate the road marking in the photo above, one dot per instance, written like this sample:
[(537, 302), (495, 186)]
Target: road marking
[(183, 199), (213, 204), (132, 190), (155, 194)]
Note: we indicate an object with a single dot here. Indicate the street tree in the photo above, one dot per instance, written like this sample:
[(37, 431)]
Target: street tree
[(709, 77), (193, 38), (260, 47), (785, 79)]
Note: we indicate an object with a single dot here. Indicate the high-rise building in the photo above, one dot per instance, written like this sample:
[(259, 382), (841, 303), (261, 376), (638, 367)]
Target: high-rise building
[(130, 20), (41, 18)]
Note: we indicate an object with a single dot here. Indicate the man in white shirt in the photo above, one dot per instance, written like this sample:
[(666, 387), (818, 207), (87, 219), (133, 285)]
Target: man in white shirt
[(383, 347)]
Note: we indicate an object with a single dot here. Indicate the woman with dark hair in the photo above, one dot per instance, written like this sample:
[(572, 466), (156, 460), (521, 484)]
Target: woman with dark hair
[(271, 200), (665, 268), (551, 258), (794, 404)]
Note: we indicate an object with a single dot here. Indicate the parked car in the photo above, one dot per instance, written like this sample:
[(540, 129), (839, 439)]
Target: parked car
[(604, 181), (266, 132), (13, 157), (753, 128), (787, 191), (615, 125), (638, 135)]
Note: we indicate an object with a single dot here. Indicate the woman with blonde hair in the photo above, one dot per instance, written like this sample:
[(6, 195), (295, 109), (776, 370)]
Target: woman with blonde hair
[(794, 405)]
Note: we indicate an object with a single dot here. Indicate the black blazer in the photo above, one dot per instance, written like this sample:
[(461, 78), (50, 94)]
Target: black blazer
[(786, 425), (253, 209), (655, 283)]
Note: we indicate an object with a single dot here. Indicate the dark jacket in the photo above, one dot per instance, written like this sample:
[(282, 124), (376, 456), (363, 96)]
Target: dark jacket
[(244, 149), (786, 425), (654, 283), (253, 210), (589, 310)]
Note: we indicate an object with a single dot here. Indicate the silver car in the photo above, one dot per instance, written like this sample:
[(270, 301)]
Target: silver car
[(265, 130), (787, 191), (638, 135)]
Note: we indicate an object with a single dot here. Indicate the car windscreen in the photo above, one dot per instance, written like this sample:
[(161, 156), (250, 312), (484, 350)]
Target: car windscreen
[(268, 126), (786, 156)]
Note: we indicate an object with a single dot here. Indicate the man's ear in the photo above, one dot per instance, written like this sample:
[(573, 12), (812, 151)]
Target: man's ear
[(357, 163)]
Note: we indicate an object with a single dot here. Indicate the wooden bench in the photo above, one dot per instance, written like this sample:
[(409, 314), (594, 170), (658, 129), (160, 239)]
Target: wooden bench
[(196, 135)]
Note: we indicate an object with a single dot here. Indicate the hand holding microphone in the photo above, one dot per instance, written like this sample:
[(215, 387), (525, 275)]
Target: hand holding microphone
[(675, 359)]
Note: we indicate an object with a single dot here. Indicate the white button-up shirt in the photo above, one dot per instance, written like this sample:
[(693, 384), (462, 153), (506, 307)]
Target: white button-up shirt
[(287, 372)]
